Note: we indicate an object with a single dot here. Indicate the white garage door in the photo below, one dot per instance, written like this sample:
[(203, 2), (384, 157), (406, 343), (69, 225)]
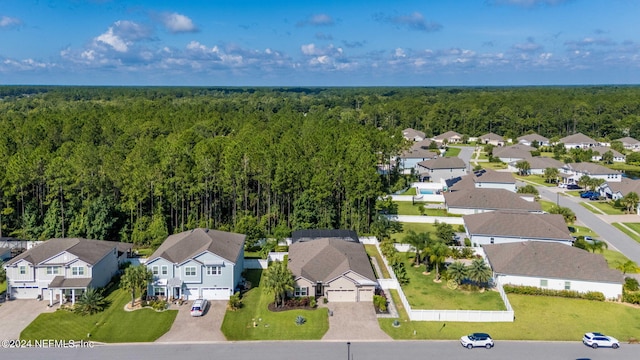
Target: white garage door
[(365, 295), (341, 295), (191, 293), (216, 293), (24, 292)]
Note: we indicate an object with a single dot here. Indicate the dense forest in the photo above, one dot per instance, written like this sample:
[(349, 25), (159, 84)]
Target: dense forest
[(136, 164)]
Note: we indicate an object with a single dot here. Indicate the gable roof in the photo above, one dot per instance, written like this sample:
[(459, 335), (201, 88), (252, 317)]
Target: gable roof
[(625, 186), (421, 145), (552, 260), (178, 248), (603, 149), (591, 168), (312, 234), (627, 140), (533, 137), (578, 138), (481, 176), (539, 162), (324, 258), (444, 163), (491, 136), (419, 153), (446, 136), (518, 224), (89, 251), (411, 134), (514, 151), (489, 199)]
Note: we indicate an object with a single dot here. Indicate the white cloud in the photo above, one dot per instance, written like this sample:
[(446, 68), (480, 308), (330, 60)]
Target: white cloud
[(317, 20), (117, 43), (122, 35), (7, 22), (177, 23)]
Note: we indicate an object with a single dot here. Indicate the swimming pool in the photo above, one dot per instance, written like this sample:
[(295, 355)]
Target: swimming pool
[(428, 191)]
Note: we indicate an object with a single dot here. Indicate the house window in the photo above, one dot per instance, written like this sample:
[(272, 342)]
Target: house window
[(190, 271), (544, 283), (214, 270), (154, 269), (567, 285), (492, 241), (23, 270), (159, 291), (299, 292), (52, 270), (77, 270), (165, 270)]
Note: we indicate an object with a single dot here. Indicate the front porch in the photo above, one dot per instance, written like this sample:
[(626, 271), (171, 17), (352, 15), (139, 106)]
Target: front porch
[(67, 290), (169, 289)]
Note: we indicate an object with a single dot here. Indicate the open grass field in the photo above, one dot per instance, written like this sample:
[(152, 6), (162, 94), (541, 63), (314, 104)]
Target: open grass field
[(239, 325), (423, 293), (537, 318), (113, 325), (625, 230)]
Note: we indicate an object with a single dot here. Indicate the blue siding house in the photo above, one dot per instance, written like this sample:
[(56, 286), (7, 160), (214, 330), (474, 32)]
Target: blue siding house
[(198, 264)]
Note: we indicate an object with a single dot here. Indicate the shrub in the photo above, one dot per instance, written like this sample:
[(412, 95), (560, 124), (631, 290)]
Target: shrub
[(532, 290), (312, 301), (631, 284), (467, 252), (158, 305), (380, 303), (467, 242), (631, 298), (300, 320), (235, 301)]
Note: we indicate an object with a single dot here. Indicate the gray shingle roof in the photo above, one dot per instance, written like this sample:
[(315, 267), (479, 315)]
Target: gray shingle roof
[(591, 168), (628, 141), (578, 138), (444, 163), (625, 186), (410, 133), (550, 260), (492, 176), (523, 225), (447, 135), (538, 162), (603, 149), (533, 137), (514, 151), (326, 258), (180, 247), (419, 153), (89, 251), (490, 199), (492, 136)]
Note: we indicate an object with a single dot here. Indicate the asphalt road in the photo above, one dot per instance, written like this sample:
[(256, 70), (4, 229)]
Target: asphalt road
[(629, 247), (316, 350)]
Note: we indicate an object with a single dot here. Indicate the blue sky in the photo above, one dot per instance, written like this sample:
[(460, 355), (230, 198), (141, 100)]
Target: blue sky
[(319, 43)]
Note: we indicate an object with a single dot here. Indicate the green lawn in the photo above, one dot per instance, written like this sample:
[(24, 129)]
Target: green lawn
[(110, 326), (407, 208), (535, 179), (423, 293), (626, 231), (410, 191), (416, 227), (3, 287), (614, 258), (373, 252), (634, 226), (537, 318), (239, 325), (575, 193), (546, 205), (604, 207), (584, 231), (493, 165), (452, 152)]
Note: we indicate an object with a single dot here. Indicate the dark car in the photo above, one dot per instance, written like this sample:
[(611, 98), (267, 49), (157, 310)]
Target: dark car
[(573, 187), (588, 194)]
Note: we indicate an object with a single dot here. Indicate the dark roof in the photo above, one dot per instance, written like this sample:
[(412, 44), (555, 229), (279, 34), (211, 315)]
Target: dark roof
[(180, 247), (591, 168), (513, 151), (490, 199), (543, 163), (444, 163), (625, 186), (69, 283), (550, 260), (492, 176), (523, 225), (533, 137), (313, 234), (89, 251), (326, 258), (578, 138)]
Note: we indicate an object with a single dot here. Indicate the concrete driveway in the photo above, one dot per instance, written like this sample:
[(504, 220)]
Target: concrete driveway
[(15, 315), (187, 328), (354, 321)]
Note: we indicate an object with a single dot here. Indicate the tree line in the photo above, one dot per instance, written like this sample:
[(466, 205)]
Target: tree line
[(136, 164)]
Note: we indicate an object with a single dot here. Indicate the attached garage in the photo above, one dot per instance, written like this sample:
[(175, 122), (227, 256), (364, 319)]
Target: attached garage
[(365, 294), (341, 295), (24, 292), (191, 293), (216, 293)]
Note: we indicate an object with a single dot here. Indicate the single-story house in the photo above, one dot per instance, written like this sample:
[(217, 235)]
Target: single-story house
[(537, 165), (530, 138), (491, 138), (617, 190), (333, 264), (442, 168), (413, 135), (513, 153), (598, 151), (630, 143), (485, 179), (198, 264), (425, 144), (450, 137), (475, 201), (553, 266), (578, 141), (574, 171), (63, 268), (499, 227)]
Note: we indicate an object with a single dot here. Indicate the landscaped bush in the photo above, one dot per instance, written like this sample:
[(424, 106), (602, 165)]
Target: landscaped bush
[(235, 301), (467, 242), (297, 302), (380, 303), (300, 320), (631, 298), (532, 290), (158, 305), (630, 284)]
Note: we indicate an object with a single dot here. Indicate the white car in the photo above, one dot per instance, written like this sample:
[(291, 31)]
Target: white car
[(477, 340), (596, 340), (199, 307)]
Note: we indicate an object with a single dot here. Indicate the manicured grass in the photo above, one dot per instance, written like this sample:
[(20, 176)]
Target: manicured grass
[(452, 152), (423, 293), (575, 193), (537, 318), (239, 325), (603, 206), (584, 231), (372, 251), (3, 287), (546, 205), (535, 179), (494, 165), (614, 258), (110, 326), (144, 252), (626, 231), (252, 255), (410, 191), (416, 227), (634, 226), (407, 208)]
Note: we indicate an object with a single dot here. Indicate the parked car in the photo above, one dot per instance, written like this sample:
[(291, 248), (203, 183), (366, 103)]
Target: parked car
[(594, 198), (596, 340), (588, 194), (477, 340), (199, 307), (573, 187)]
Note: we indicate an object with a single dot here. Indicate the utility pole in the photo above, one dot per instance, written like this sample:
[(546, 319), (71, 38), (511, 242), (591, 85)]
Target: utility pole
[(348, 350)]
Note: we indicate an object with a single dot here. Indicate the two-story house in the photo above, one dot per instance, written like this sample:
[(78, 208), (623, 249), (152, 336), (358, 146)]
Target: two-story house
[(198, 264)]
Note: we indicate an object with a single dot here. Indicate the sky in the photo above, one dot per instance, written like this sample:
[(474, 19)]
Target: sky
[(319, 43)]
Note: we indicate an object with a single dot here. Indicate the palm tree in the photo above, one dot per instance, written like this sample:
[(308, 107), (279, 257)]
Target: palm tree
[(136, 279), (457, 272), (479, 272), (278, 280), (628, 266), (417, 241), (596, 245), (551, 174), (584, 181), (91, 302), (438, 253), (523, 167), (630, 201)]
